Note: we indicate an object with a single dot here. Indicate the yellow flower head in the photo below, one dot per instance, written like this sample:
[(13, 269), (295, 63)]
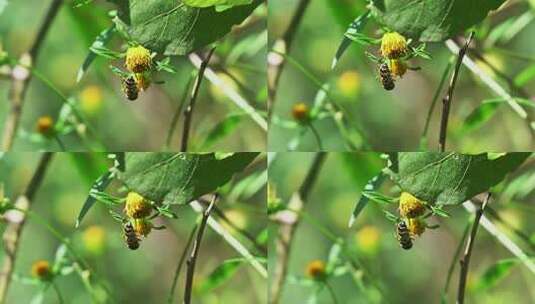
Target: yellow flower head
[(349, 83), (41, 270), (94, 238), (393, 45), (410, 206), (91, 99), (45, 125), (142, 81), (398, 67), (316, 270), (142, 227), (368, 238), (137, 206), (300, 112), (138, 59), (416, 227)]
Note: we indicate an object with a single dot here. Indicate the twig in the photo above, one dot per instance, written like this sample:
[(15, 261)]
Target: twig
[(190, 264), (176, 116), (180, 263), (446, 102), (58, 293), (465, 260), (455, 258), (21, 78), (13, 231), (230, 93), (288, 224), (284, 44), (316, 136), (331, 292), (188, 113)]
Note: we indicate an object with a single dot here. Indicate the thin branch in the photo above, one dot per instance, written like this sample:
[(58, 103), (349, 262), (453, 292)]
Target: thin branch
[(288, 222), (176, 116), (446, 102), (284, 44), (331, 292), (180, 263), (13, 231), (192, 260), (188, 113), (455, 258), (21, 78), (465, 260), (58, 293)]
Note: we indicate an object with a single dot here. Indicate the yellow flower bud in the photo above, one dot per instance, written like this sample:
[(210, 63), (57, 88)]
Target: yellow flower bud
[(138, 59), (316, 270), (300, 112), (393, 45), (416, 227), (45, 125), (398, 67), (142, 80), (41, 270), (410, 206), (142, 227), (94, 238), (137, 206)]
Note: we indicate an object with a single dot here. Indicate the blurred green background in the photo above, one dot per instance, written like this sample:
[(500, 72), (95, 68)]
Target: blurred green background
[(138, 276), (394, 121), (389, 274), (140, 125)]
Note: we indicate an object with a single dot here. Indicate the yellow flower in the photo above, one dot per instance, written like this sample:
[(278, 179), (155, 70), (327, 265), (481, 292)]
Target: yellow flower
[(300, 112), (94, 238), (410, 206), (91, 99), (416, 227), (398, 67), (349, 83), (142, 227), (393, 45), (137, 206), (316, 270), (138, 59), (142, 81), (41, 270), (368, 239), (45, 125)]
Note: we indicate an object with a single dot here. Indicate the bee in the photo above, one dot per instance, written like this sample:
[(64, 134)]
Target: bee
[(130, 88), (130, 236), (386, 77), (403, 235)]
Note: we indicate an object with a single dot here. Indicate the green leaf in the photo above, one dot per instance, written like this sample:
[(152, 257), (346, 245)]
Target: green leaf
[(100, 41), (355, 27), (173, 28), (373, 184), (178, 178), (221, 274), (481, 115), (431, 20), (100, 185), (452, 178), (207, 3), (525, 76), (221, 130), (494, 274)]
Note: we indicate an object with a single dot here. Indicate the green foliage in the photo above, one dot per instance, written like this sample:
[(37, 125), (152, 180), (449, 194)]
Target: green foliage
[(452, 178), (222, 130), (178, 178), (207, 3), (173, 28), (494, 274), (431, 20), (221, 274)]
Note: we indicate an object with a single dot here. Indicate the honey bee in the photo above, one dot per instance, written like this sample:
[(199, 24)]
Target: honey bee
[(386, 77), (130, 236), (130, 88), (403, 235)]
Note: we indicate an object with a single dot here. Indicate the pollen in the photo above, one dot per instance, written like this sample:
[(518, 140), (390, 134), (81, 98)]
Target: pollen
[(393, 45), (300, 112), (142, 227), (316, 270), (398, 67), (410, 206), (41, 270), (416, 227), (45, 125), (137, 206), (138, 59)]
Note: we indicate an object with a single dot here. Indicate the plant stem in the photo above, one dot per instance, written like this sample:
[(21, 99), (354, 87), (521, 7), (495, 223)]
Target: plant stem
[(446, 102), (13, 231), (465, 260), (176, 116), (19, 85), (316, 136), (455, 258), (195, 252), (58, 293), (188, 113), (180, 263), (288, 227), (331, 292), (283, 45)]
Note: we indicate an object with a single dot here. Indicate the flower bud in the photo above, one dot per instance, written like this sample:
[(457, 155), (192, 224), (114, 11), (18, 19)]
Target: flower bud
[(410, 206), (137, 206), (45, 125), (393, 45), (316, 270), (138, 59), (41, 270), (300, 112)]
